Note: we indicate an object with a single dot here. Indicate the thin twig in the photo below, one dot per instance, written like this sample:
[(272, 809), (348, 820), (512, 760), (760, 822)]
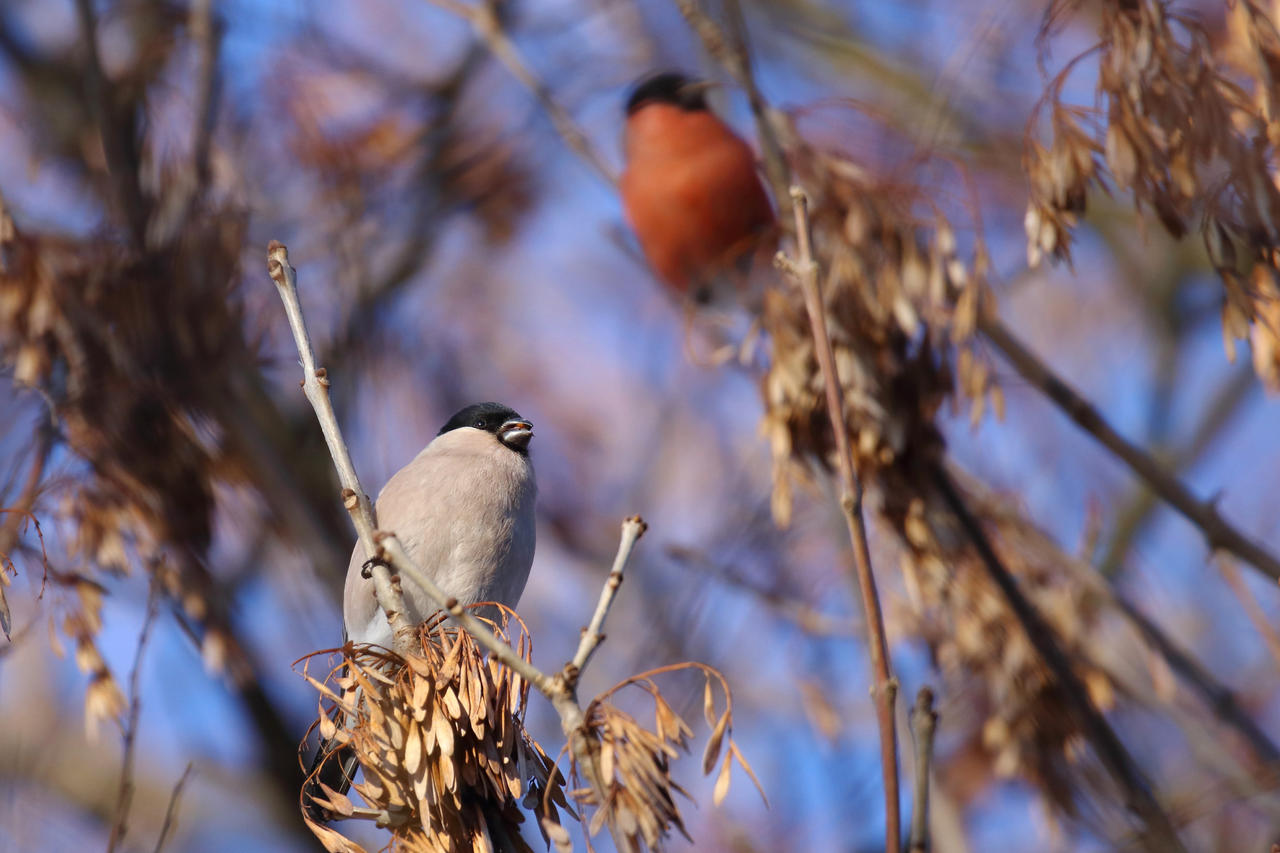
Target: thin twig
[(1219, 533), (20, 511), (1219, 699), (115, 126), (924, 722), (204, 31), (1134, 513), (171, 813), (806, 617), (487, 24), (804, 271), (390, 551), (315, 385), (632, 529), (1227, 567), (124, 797), (1111, 752)]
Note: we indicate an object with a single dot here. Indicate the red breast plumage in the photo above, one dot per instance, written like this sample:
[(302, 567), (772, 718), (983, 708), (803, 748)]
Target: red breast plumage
[(690, 189)]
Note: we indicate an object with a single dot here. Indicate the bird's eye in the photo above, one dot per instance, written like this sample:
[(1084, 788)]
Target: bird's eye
[(481, 423)]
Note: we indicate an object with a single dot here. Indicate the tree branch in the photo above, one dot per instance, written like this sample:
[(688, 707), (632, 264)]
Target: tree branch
[(115, 126), (1134, 514), (124, 797), (171, 813), (632, 529), (732, 53), (487, 24), (1115, 758), (924, 722), (1219, 533), (204, 31), (804, 272), (315, 386)]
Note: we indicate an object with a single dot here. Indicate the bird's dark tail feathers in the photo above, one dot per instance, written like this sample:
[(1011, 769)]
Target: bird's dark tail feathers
[(334, 766)]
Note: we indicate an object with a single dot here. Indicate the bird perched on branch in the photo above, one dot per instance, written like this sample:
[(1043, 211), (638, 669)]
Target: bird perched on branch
[(690, 189), (464, 510)]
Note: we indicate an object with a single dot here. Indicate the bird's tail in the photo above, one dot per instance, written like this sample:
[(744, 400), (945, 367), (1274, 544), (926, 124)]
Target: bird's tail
[(334, 766)]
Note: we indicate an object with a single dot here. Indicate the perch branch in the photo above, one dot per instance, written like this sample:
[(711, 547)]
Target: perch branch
[(1218, 532), (804, 271), (204, 31), (315, 385), (390, 551)]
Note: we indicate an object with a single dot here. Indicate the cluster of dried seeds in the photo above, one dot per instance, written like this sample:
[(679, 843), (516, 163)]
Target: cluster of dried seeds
[(902, 307), (441, 741), (635, 762), (1027, 728), (130, 362), (1190, 138), (447, 764)]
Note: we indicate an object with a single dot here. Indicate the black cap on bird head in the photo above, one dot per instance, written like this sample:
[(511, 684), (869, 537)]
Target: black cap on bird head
[(503, 421), (668, 87)]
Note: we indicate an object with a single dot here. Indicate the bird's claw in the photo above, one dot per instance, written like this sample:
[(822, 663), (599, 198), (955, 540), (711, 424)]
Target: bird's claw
[(366, 569)]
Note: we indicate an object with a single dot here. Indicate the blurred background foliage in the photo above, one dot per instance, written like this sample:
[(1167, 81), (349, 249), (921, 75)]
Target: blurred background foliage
[(157, 457)]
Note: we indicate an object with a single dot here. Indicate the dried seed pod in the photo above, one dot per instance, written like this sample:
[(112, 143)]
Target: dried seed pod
[(441, 741)]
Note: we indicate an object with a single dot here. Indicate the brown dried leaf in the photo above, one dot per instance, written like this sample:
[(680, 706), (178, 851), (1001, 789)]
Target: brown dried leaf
[(712, 751), (722, 781)]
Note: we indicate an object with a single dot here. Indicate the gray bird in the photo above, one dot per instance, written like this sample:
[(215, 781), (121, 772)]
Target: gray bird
[(463, 509)]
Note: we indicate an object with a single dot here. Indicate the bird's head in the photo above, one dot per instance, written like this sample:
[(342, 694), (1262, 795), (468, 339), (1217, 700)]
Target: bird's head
[(671, 88), (501, 421)]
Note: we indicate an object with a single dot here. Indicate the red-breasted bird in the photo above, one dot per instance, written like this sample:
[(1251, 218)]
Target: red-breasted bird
[(690, 189)]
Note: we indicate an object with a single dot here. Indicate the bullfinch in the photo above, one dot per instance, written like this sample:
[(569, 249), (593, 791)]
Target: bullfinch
[(690, 189), (464, 510)]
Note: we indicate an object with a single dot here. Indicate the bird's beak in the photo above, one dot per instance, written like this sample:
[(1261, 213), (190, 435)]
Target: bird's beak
[(516, 434)]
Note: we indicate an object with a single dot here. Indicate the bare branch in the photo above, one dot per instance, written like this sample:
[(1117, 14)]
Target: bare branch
[(924, 721), (632, 529), (124, 799), (804, 271), (1219, 699), (171, 813), (1161, 834), (1218, 532), (1133, 515), (315, 385), (204, 32), (390, 551), (116, 128), (19, 512), (487, 24)]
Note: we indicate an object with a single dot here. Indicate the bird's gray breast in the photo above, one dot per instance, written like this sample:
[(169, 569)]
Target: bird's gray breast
[(464, 510)]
